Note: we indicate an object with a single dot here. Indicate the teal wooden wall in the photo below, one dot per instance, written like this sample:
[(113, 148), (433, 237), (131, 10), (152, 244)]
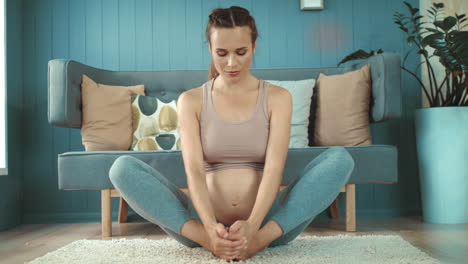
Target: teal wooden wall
[(169, 35), (11, 185)]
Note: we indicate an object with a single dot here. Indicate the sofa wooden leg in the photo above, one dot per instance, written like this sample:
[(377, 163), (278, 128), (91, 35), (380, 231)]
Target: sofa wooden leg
[(123, 210), (334, 210), (350, 207), (106, 213)]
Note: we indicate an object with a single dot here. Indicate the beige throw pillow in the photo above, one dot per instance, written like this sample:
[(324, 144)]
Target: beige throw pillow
[(342, 117), (107, 115)]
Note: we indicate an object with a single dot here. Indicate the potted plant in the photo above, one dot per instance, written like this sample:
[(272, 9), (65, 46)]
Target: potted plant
[(442, 128)]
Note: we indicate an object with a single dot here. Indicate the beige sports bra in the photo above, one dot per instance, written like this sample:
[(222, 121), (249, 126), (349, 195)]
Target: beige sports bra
[(234, 144)]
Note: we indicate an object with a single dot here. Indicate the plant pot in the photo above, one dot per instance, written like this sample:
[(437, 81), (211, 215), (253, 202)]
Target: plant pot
[(442, 147)]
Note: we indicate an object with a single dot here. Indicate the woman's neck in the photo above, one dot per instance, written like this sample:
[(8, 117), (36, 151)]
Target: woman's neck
[(234, 87)]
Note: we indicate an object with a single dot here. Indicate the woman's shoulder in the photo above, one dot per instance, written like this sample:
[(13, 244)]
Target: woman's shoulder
[(193, 98), (276, 97), (275, 91)]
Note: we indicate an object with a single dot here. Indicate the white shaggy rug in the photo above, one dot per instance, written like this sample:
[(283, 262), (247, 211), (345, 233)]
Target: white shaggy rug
[(304, 249)]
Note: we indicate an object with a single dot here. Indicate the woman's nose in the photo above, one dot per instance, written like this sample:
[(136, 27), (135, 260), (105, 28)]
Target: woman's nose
[(232, 60)]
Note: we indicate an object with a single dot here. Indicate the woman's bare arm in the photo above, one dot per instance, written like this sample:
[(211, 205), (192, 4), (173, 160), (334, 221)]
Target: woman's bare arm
[(192, 154), (277, 150)]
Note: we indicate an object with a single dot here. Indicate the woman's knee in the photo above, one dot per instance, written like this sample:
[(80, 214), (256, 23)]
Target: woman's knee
[(125, 166), (120, 165), (341, 155)]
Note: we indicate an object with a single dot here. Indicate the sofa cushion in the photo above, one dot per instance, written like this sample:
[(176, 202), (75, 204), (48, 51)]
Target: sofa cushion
[(301, 92), (107, 115), (155, 124), (90, 170), (342, 116)]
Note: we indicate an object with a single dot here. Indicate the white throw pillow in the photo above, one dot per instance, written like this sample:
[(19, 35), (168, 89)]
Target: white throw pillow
[(301, 92)]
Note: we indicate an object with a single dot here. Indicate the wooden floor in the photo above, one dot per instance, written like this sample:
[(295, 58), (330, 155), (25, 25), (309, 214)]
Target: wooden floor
[(448, 243)]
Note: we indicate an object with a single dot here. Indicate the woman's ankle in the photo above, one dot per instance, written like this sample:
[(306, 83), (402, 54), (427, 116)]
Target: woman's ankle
[(269, 232), (194, 230)]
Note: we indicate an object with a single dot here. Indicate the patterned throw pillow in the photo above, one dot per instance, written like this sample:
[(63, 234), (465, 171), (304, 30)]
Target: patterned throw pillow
[(155, 124)]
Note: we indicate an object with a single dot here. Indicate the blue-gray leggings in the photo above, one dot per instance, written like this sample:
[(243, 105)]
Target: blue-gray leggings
[(156, 199)]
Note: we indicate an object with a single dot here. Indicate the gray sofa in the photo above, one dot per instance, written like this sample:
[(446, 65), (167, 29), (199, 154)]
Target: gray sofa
[(79, 170)]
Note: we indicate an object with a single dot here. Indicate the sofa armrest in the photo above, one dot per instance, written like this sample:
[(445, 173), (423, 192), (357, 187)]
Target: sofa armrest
[(64, 91), (386, 86)]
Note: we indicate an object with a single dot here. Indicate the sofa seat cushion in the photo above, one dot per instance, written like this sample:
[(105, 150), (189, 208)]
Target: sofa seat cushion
[(90, 170)]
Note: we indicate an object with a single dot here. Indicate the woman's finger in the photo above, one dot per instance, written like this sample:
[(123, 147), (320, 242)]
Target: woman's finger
[(231, 244), (232, 252), (241, 246), (229, 256)]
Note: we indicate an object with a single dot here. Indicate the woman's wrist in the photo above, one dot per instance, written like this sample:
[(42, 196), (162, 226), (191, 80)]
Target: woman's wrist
[(210, 227), (254, 223)]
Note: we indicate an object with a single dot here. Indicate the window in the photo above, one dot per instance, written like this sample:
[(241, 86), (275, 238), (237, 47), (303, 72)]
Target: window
[(3, 107)]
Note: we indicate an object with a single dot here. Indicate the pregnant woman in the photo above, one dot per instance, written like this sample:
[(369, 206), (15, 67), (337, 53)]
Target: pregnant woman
[(234, 131)]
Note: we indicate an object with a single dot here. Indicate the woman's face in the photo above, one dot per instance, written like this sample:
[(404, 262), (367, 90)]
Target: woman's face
[(232, 51)]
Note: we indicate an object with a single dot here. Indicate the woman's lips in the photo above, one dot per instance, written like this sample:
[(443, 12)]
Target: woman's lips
[(233, 73)]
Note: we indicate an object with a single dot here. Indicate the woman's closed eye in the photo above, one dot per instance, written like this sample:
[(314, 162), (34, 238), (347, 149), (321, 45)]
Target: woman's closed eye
[(238, 53)]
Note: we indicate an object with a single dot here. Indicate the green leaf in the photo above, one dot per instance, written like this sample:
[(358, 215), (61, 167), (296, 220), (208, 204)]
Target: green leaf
[(446, 58), (431, 12), (433, 30), (359, 54), (459, 46), (441, 24), (459, 16), (422, 51), (435, 40), (411, 8), (408, 5), (419, 24), (449, 22), (418, 17), (410, 40), (404, 29), (439, 5)]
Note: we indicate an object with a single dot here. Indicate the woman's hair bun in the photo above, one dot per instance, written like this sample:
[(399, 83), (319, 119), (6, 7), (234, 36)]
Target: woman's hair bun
[(219, 14), (216, 13), (240, 9)]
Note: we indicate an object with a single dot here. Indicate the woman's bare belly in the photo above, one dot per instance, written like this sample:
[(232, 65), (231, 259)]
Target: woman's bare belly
[(233, 192)]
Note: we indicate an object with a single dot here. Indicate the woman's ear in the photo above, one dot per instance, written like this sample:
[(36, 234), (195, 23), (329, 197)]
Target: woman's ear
[(254, 47)]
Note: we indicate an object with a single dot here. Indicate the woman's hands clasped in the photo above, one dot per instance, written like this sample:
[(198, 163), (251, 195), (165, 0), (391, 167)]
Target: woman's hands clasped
[(242, 229), (224, 246)]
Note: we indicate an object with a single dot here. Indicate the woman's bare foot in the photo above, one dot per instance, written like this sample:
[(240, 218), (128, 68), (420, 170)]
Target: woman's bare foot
[(225, 248), (195, 231), (261, 240)]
